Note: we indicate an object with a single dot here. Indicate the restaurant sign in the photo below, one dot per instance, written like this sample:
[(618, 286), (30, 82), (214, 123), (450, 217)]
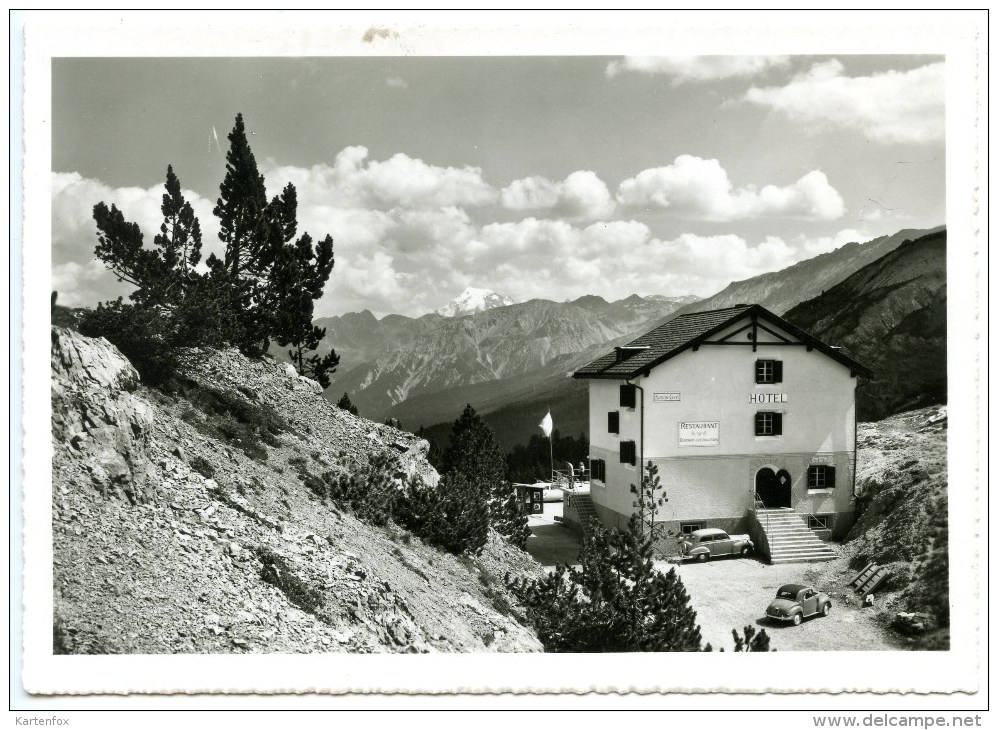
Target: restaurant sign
[(700, 433)]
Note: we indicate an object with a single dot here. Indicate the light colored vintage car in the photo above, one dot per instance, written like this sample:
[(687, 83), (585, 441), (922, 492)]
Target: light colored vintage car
[(711, 542), (795, 602)]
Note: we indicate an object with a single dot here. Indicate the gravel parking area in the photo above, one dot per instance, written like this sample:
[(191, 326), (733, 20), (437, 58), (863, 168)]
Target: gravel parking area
[(731, 593)]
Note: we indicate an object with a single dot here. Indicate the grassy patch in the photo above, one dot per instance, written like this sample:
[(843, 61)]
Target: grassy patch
[(228, 416)]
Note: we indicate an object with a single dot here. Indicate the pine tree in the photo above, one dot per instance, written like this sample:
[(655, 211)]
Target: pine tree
[(475, 452), (161, 274), (346, 405), (273, 279), (649, 497), (614, 601)]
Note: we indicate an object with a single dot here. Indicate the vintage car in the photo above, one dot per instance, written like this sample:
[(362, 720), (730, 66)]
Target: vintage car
[(795, 602), (711, 542)]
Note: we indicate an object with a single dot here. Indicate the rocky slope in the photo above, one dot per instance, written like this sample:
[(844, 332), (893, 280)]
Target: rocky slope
[(901, 487), (891, 316), (182, 523)]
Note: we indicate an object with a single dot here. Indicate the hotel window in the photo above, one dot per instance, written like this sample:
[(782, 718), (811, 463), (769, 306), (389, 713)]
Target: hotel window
[(598, 467), (769, 371), (628, 397), (613, 422), (628, 453), (821, 476), (768, 423)]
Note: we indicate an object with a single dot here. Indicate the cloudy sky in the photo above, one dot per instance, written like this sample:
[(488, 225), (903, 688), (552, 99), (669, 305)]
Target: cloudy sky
[(546, 177)]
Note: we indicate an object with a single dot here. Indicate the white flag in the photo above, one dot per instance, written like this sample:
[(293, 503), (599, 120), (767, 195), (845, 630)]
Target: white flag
[(547, 424)]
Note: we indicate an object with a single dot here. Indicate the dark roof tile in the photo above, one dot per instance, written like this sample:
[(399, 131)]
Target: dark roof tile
[(681, 332)]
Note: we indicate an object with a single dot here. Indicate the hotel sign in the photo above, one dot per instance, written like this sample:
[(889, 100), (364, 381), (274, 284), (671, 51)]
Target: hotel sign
[(665, 397), (700, 433), (759, 398)]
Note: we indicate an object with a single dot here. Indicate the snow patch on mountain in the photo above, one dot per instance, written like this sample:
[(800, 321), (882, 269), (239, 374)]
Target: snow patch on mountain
[(473, 300)]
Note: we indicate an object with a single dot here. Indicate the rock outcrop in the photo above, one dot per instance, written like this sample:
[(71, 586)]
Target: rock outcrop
[(96, 415)]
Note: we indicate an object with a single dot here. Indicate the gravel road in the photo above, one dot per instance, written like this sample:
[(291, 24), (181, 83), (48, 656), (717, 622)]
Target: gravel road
[(730, 593)]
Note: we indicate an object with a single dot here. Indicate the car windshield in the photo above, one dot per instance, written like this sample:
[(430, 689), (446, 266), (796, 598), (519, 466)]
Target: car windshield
[(782, 593)]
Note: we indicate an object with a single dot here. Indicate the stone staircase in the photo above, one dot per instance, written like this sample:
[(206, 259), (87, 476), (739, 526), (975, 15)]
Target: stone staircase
[(790, 539), (583, 505)]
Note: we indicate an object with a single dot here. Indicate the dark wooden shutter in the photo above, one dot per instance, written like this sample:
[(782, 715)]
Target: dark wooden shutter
[(777, 371), (613, 422), (759, 430), (830, 477), (628, 398), (777, 424), (627, 453), (598, 467)]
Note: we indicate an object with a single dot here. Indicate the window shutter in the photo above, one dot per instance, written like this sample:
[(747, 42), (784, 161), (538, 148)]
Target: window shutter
[(613, 422), (777, 424), (830, 477), (777, 371), (627, 453), (759, 431), (758, 372), (627, 396)]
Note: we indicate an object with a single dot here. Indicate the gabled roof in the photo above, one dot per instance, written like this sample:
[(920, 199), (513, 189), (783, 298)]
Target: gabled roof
[(689, 331)]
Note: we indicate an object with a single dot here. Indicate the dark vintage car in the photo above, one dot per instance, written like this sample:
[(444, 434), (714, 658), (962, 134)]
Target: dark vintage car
[(711, 542), (795, 602)]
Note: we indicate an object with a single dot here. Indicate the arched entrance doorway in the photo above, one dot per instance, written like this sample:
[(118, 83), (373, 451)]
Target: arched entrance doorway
[(773, 487)]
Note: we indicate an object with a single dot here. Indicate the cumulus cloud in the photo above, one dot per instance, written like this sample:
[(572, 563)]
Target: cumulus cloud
[(580, 195), (353, 180), (890, 107), (414, 258), (694, 69), (698, 188)]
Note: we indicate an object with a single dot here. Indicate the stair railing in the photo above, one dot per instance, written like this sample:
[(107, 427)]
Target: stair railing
[(759, 504)]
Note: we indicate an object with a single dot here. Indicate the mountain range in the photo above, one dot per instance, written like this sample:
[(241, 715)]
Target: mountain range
[(513, 362)]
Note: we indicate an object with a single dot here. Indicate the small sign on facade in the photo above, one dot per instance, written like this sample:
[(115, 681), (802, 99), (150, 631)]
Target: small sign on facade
[(700, 433), (665, 397), (755, 398)]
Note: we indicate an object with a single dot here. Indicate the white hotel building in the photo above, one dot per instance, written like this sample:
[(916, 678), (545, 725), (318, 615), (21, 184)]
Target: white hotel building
[(742, 412)]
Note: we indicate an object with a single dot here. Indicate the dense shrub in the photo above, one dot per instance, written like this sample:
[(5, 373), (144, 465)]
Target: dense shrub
[(451, 515), (371, 491), (278, 572)]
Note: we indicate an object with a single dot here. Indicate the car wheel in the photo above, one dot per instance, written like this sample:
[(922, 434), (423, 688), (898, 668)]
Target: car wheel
[(702, 558), (797, 619), (746, 550), (826, 609)]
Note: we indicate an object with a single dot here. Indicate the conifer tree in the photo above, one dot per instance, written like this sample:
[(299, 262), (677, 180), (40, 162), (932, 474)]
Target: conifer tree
[(614, 601), (649, 497), (163, 273), (272, 278), (475, 452), (346, 405)]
